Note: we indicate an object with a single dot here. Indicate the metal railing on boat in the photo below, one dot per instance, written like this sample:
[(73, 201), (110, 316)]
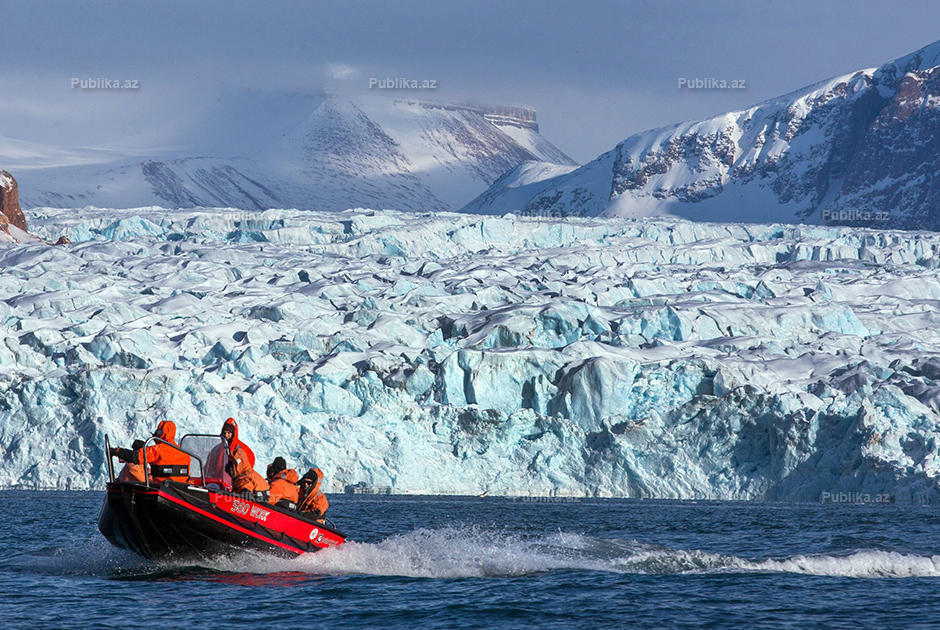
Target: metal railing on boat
[(155, 440)]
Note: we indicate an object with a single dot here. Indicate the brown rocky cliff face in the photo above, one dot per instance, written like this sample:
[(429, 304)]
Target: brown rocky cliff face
[(10, 202), (894, 168)]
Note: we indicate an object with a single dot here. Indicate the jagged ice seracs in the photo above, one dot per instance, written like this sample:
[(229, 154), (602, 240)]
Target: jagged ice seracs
[(447, 353)]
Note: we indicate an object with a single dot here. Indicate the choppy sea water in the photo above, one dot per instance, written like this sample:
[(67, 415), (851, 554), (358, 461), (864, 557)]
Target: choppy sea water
[(494, 562)]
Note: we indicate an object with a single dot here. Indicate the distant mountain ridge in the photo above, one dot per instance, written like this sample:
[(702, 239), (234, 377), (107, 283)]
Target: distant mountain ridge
[(402, 154), (862, 148)]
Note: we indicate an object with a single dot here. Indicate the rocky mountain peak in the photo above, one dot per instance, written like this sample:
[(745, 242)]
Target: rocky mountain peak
[(858, 149)]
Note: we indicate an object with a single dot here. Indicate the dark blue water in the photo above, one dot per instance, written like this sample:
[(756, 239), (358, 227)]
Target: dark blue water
[(470, 562)]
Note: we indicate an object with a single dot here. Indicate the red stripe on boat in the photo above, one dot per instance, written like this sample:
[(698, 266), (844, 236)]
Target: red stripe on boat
[(228, 523)]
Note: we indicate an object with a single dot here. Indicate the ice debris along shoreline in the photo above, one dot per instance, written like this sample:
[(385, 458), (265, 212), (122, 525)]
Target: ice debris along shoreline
[(445, 353)]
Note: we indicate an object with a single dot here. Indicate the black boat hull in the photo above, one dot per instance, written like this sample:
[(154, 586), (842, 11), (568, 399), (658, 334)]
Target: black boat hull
[(182, 521)]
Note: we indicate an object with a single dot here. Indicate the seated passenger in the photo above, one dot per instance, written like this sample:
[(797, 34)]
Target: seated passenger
[(283, 482), (165, 461), (241, 463), (312, 499), (133, 472)]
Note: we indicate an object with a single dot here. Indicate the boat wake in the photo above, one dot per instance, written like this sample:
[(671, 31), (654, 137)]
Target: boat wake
[(467, 552), (471, 552)]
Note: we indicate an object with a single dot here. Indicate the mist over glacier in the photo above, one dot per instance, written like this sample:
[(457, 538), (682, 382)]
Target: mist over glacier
[(446, 353)]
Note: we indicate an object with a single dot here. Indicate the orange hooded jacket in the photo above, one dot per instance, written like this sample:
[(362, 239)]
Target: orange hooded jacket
[(315, 501), (159, 456), (284, 486), (244, 477)]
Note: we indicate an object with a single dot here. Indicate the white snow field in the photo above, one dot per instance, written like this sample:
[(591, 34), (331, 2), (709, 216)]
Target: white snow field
[(370, 151), (447, 353)]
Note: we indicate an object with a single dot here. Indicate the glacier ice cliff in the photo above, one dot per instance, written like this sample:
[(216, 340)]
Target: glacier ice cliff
[(447, 353)]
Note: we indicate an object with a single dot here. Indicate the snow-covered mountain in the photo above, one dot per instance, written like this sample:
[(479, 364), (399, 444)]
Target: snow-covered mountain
[(409, 155), (448, 353), (863, 148)]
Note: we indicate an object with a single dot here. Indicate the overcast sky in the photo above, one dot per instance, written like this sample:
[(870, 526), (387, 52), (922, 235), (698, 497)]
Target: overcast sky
[(595, 71)]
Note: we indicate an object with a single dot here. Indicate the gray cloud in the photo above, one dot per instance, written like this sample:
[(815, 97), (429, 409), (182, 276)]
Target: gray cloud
[(596, 71)]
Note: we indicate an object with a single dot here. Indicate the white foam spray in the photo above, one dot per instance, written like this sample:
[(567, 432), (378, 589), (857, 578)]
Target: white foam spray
[(471, 552)]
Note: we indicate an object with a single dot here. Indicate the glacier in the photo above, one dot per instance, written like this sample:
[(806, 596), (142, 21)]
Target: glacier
[(450, 353)]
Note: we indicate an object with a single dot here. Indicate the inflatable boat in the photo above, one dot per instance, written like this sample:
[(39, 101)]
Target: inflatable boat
[(200, 517)]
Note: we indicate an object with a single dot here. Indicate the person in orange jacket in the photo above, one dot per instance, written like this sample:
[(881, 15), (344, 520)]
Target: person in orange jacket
[(132, 471), (312, 499), (241, 463), (165, 461), (283, 482)]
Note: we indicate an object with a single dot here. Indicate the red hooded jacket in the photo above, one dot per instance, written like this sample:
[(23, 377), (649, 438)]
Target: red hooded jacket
[(235, 443), (244, 476)]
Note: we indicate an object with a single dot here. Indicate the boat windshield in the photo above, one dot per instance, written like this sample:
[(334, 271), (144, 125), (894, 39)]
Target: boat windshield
[(211, 450)]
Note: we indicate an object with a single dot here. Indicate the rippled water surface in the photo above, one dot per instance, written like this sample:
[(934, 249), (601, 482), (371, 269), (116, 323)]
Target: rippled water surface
[(472, 562)]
